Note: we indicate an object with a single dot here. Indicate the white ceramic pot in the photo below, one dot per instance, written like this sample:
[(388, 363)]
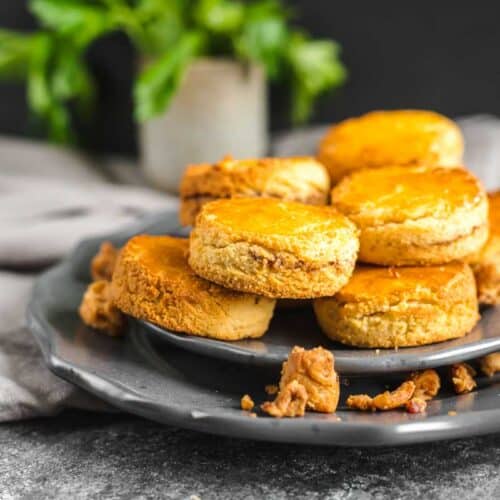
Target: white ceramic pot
[(220, 109)]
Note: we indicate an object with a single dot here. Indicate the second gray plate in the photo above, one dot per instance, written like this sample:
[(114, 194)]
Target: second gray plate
[(298, 327)]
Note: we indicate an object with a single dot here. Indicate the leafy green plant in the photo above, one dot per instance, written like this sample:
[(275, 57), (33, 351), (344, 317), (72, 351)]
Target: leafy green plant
[(168, 34)]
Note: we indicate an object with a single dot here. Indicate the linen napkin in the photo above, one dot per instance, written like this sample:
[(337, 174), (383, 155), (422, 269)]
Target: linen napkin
[(50, 198)]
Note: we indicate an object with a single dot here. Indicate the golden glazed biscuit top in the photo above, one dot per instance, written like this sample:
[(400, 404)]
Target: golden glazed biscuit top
[(165, 257), (395, 194), (494, 199), (267, 216), (402, 137), (388, 285), (253, 176)]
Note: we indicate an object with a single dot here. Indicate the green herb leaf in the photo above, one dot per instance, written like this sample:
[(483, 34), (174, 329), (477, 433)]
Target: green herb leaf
[(156, 85), (82, 21), (219, 16), (315, 68), (15, 54), (264, 36), (70, 79), (39, 93), (158, 24)]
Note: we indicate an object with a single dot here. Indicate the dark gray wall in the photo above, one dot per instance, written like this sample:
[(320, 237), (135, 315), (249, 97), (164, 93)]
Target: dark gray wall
[(442, 55)]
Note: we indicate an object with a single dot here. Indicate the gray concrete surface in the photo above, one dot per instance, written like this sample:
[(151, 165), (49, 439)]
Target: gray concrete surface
[(83, 455)]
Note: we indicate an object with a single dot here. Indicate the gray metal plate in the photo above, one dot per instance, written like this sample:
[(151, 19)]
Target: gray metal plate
[(142, 375)]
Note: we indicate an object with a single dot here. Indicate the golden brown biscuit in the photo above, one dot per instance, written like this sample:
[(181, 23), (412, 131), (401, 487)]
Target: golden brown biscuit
[(381, 138), (408, 306), (415, 215), (99, 311), (273, 248), (486, 266), (153, 281), (301, 179), (103, 263)]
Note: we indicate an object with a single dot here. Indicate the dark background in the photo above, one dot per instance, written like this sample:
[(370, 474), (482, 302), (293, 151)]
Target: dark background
[(441, 55)]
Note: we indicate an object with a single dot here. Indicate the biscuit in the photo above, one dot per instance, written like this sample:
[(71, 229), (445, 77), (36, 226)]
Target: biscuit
[(415, 215), (103, 263), (273, 248), (408, 306), (99, 311), (152, 281), (303, 180), (382, 138), (486, 266)]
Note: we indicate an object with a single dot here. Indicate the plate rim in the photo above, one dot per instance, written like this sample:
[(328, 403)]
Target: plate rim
[(228, 351)]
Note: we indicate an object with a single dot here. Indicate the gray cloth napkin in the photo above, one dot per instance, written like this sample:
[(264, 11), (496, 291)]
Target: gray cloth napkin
[(50, 198)]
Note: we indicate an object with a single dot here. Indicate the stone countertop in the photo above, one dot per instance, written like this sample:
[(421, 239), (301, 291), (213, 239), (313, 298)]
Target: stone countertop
[(82, 455)]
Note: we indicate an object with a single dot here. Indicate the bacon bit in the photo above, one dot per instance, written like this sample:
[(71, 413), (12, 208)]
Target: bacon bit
[(247, 403), (462, 376), (416, 405), (427, 384), (384, 401), (395, 399)]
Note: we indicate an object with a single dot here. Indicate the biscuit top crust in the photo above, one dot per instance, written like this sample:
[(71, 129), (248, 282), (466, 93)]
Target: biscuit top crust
[(450, 282), (396, 194), (256, 177), (494, 199), (266, 216), (380, 138), (165, 258)]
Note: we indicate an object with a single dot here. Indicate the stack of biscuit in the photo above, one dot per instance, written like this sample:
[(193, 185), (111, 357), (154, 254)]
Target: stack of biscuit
[(422, 217), (263, 231), (378, 231)]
